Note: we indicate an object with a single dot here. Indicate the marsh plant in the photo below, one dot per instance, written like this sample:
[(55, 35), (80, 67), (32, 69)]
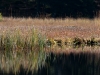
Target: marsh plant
[(0, 17), (18, 51), (75, 42)]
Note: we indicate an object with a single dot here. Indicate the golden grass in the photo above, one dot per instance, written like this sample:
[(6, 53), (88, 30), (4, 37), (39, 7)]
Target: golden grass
[(53, 28), (48, 21), (62, 29)]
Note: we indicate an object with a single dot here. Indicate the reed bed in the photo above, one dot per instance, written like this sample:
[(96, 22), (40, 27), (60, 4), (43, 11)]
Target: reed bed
[(54, 28), (17, 51), (74, 42), (22, 45)]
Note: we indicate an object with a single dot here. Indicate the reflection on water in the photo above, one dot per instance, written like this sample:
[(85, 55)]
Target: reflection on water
[(82, 62), (69, 61), (21, 62)]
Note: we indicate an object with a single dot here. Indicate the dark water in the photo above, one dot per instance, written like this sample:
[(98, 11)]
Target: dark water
[(73, 64), (82, 63)]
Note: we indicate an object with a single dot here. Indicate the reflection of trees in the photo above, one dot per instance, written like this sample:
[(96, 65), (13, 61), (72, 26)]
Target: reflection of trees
[(75, 64)]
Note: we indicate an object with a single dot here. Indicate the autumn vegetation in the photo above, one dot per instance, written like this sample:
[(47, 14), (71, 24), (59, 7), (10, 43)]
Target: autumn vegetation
[(32, 29)]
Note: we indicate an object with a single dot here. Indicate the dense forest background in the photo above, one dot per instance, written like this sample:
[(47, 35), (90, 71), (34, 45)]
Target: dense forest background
[(49, 8)]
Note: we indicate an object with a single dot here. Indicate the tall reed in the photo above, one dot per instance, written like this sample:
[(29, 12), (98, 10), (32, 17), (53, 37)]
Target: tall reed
[(18, 51), (0, 17)]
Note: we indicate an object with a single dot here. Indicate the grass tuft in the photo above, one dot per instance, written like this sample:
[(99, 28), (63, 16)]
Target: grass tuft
[(17, 51), (0, 17)]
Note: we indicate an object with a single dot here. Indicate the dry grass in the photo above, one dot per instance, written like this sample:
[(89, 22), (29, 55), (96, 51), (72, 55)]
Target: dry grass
[(54, 28), (18, 51)]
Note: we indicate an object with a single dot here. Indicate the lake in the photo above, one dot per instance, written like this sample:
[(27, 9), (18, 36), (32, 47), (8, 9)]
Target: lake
[(69, 61)]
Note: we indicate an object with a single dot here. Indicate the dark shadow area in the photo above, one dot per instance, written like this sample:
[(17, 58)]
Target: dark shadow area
[(22, 71), (73, 64), (66, 64), (49, 8)]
